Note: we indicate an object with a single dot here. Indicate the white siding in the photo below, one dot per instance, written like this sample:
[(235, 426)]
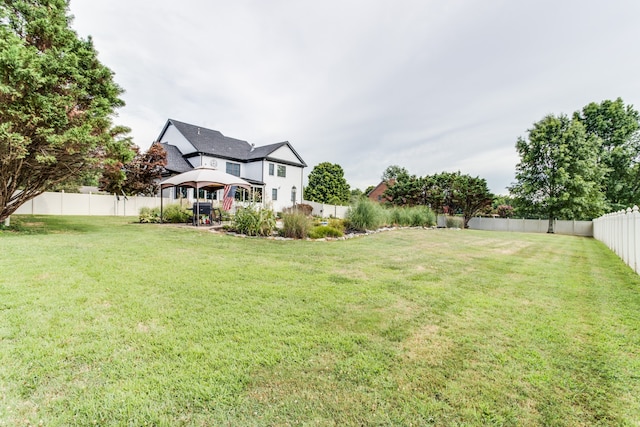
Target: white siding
[(173, 137), (284, 186), (284, 153), (253, 170), (213, 162)]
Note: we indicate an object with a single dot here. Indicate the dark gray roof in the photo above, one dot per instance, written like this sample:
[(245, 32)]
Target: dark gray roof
[(175, 161), (214, 143), (264, 151)]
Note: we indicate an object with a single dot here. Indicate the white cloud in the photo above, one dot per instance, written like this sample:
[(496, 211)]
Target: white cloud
[(427, 85)]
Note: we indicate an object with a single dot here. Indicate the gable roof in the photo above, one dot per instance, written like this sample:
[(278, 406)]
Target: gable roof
[(175, 161), (259, 153), (214, 143)]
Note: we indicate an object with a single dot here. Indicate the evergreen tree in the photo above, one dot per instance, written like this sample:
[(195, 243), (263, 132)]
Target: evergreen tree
[(56, 101), (327, 184)]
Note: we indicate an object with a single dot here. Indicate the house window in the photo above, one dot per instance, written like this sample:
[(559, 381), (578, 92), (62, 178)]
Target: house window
[(233, 168), (282, 171), (181, 192), (271, 167), (274, 194), (256, 194)]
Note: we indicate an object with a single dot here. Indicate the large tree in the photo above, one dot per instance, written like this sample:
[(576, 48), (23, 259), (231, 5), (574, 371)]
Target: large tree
[(56, 101), (327, 184), (559, 175), (616, 125)]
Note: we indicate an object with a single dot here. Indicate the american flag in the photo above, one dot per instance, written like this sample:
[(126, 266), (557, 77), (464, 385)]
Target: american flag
[(229, 194)]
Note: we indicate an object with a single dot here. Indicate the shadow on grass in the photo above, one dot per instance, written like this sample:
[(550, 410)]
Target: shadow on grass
[(48, 224)]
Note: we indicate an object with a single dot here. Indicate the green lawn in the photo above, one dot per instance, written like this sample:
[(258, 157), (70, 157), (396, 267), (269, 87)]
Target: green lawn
[(107, 322)]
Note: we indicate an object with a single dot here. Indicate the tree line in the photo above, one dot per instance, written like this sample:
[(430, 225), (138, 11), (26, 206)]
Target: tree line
[(571, 167), (579, 167)]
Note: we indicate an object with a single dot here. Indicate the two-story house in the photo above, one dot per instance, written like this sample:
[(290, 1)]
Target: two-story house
[(274, 171)]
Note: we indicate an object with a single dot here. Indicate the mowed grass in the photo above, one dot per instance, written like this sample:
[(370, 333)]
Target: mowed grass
[(107, 322)]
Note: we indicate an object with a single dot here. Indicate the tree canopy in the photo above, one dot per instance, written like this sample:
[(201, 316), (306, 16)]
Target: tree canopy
[(558, 175), (139, 176), (56, 101), (327, 184), (446, 193), (616, 125), (394, 172)]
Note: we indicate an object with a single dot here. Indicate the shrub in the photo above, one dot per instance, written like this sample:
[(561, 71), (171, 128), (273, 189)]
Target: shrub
[(415, 216), (299, 208), (422, 216), (295, 225), (365, 215), (337, 223), (149, 215), (505, 211), (322, 231), (454, 222), (176, 214), (398, 216), (254, 221)]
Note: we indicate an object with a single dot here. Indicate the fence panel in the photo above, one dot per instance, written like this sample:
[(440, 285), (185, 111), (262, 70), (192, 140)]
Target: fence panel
[(50, 203), (620, 231), (575, 228), (324, 210)]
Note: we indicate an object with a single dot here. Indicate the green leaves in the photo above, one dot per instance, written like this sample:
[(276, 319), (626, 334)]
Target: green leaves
[(56, 101), (446, 192), (616, 126), (327, 184), (558, 174)]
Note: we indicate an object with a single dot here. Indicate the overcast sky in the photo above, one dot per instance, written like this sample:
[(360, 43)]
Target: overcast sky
[(428, 85)]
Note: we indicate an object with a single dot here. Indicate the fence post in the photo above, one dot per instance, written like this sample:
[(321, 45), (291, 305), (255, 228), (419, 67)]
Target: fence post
[(625, 237), (635, 216)]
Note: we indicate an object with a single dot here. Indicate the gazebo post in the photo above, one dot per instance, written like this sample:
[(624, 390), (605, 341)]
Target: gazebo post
[(197, 212)]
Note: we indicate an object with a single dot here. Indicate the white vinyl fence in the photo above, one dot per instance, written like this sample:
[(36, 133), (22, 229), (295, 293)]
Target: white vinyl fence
[(575, 228), (620, 231), (324, 210), (87, 204), (62, 203)]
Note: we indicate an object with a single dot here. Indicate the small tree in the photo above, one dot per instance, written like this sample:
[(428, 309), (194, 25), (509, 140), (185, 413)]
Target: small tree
[(453, 192), (327, 184), (504, 211), (145, 171), (470, 195)]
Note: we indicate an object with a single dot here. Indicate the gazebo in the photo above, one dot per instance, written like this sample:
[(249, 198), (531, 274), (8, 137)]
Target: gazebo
[(202, 177)]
